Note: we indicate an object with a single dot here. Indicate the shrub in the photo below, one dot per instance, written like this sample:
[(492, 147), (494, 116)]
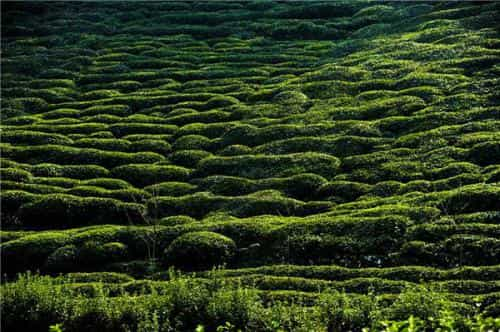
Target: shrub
[(220, 101), (67, 126), (123, 129), (126, 86), (140, 137), (99, 94), (237, 308), (290, 98), (266, 202), (61, 113), (200, 204), (102, 134), (141, 175), (470, 250), (417, 185), (484, 198), (106, 183), (304, 186), (227, 185), (70, 211), (386, 188), (210, 130), (418, 302), (260, 166), (235, 150), (192, 142), (69, 171), (177, 220), (30, 187), (87, 191), (32, 303), (30, 104), (341, 146), (487, 153), (457, 181), (341, 312), (319, 10), (132, 195), (95, 255), (316, 249), (151, 145), (64, 259), (11, 201), (30, 252), (70, 155), (170, 189), (345, 190), (26, 137), (188, 158), (106, 277), (493, 176), (203, 117), (15, 174), (200, 251), (453, 169), (111, 144)]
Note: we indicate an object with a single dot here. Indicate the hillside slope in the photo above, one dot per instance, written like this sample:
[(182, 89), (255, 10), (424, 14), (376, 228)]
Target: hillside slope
[(306, 146)]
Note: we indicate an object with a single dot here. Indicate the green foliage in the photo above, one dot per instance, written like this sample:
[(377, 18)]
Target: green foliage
[(69, 211), (70, 171), (107, 183), (200, 204), (69, 155), (30, 252), (171, 189), (353, 133), (11, 202), (345, 190), (177, 220), (142, 175), (26, 137), (15, 174), (340, 312), (120, 130), (200, 251), (485, 153), (262, 166), (472, 199), (188, 158)]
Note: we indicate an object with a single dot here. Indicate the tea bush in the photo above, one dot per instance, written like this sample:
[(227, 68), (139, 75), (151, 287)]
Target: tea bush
[(200, 251)]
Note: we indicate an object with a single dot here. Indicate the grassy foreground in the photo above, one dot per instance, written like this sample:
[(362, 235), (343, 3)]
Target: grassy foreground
[(339, 159)]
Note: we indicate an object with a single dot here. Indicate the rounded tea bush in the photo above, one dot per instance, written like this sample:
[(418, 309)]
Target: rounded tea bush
[(200, 251), (64, 259), (290, 98)]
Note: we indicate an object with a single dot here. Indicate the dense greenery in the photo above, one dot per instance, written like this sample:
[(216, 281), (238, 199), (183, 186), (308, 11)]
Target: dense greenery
[(339, 159)]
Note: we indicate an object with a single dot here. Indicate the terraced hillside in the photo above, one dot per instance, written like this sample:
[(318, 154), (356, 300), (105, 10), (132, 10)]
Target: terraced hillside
[(340, 159)]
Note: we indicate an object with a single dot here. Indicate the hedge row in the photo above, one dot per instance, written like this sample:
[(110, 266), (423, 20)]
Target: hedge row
[(141, 175), (457, 250), (268, 239), (90, 255), (200, 204), (80, 172), (69, 155), (28, 137), (340, 146), (62, 210), (406, 273), (262, 166), (301, 186)]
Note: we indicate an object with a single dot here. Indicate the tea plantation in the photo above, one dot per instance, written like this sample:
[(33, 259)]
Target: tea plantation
[(250, 166)]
